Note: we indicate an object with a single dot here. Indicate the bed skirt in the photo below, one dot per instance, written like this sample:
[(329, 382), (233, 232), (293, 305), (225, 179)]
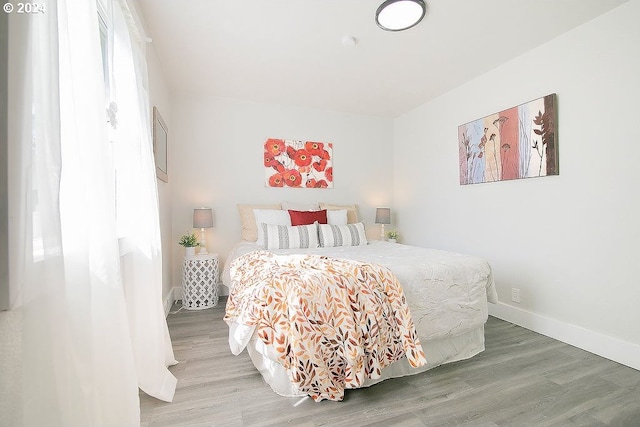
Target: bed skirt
[(438, 351)]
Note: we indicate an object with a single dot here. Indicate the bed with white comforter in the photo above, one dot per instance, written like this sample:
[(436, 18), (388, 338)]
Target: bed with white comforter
[(447, 294)]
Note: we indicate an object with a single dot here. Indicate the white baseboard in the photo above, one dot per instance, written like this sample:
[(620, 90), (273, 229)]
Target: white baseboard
[(174, 295), (608, 347)]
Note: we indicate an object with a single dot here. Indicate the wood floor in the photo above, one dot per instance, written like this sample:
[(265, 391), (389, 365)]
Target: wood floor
[(521, 379)]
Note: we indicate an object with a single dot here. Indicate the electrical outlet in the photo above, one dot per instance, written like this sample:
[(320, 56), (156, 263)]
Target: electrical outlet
[(515, 295)]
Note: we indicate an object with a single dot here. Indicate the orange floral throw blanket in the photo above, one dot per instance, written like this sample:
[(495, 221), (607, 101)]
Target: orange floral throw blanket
[(332, 322)]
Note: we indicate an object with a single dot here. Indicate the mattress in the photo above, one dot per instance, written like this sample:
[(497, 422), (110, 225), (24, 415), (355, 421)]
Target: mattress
[(447, 293)]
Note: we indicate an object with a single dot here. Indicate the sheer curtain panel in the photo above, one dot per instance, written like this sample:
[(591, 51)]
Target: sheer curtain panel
[(93, 328), (78, 366), (138, 219)]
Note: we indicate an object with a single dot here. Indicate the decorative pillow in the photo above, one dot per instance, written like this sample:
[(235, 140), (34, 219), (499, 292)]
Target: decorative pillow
[(352, 211), (342, 235), (337, 217), (269, 216), (300, 206), (308, 217), (248, 220), (290, 237)]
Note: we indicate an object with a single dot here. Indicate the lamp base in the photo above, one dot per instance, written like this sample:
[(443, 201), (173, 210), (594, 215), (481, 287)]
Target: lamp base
[(381, 231), (203, 244)]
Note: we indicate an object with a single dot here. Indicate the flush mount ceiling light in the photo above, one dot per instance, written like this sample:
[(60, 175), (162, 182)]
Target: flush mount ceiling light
[(398, 15)]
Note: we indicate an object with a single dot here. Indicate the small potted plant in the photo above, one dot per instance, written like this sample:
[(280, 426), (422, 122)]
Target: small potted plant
[(190, 242), (392, 236)]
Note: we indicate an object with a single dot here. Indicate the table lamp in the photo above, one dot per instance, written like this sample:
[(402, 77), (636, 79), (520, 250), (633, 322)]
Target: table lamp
[(202, 218), (383, 216)]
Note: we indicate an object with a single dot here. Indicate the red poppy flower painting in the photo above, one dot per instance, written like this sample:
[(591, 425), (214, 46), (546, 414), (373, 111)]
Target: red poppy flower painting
[(274, 146), (314, 147), (302, 158), (312, 183), (298, 164), (329, 174), (320, 166), (292, 178), (270, 162), (276, 180), (268, 159)]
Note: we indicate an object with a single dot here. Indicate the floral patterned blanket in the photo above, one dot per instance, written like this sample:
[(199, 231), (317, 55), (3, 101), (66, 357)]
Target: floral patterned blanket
[(332, 322)]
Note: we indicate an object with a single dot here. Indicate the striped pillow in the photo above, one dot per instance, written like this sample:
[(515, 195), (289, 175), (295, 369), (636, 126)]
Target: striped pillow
[(290, 237), (342, 235)]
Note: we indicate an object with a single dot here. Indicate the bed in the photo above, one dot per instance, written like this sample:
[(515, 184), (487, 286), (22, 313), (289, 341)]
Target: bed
[(447, 294)]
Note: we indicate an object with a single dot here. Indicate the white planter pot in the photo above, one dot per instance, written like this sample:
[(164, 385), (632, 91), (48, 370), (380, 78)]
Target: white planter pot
[(190, 251), (392, 240)]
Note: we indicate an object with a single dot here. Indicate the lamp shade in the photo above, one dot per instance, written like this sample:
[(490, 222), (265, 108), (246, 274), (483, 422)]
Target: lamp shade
[(202, 218), (383, 216), (398, 15)]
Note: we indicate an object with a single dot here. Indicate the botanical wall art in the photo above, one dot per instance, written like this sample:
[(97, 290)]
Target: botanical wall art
[(299, 164), (519, 142)]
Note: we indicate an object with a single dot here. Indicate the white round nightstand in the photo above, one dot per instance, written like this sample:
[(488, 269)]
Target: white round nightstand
[(200, 281)]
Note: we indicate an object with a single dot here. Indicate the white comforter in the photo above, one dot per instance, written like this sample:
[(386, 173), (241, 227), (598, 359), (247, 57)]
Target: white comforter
[(447, 293)]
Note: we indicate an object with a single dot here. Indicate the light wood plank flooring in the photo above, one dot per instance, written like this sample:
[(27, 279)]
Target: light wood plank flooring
[(521, 379)]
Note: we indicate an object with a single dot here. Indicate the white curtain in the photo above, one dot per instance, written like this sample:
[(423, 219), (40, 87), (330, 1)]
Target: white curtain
[(93, 326), (138, 218)]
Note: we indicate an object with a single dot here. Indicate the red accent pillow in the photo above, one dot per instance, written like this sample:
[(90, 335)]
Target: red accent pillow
[(308, 217)]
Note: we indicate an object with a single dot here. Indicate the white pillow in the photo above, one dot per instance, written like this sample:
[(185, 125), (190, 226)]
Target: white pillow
[(342, 235), (352, 211), (269, 216), (248, 220), (290, 237), (337, 217), (300, 206)]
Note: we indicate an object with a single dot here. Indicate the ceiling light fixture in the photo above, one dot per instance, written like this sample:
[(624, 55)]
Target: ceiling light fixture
[(398, 15)]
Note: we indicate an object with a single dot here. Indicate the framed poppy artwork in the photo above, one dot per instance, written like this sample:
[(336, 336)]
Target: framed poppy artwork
[(298, 164), (519, 142)]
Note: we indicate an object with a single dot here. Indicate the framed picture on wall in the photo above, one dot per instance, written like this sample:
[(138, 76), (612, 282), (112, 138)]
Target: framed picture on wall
[(298, 164), (519, 142), (160, 145)]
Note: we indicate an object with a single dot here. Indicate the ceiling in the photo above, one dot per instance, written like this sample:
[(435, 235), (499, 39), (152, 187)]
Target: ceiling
[(290, 51)]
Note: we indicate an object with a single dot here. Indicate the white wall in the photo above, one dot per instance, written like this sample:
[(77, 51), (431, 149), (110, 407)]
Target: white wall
[(160, 97), (216, 154), (11, 320), (569, 242), (5, 297)]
